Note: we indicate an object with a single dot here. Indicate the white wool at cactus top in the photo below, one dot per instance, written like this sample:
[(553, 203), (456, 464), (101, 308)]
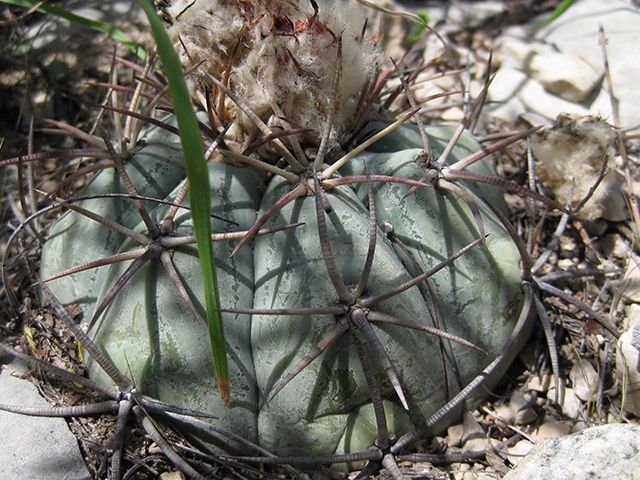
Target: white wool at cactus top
[(277, 57)]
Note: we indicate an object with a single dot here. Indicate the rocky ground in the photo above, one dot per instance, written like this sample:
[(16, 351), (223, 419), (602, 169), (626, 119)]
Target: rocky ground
[(46, 71)]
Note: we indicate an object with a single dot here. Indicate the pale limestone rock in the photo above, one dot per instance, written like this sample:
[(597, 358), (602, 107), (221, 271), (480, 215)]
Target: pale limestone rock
[(567, 76), (507, 82), (514, 46), (172, 476), (630, 284), (576, 32), (34, 448), (517, 453), (579, 426), (628, 362), (609, 452), (538, 384), (571, 405), (454, 435), (464, 473), (523, 414), (616, 245), (460, 470), (551, 428), (516, 412), (454, 114), (538, 100), (585, 380), (474, 438)]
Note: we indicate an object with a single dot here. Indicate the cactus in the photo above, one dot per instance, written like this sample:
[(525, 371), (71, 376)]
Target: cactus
[(327, 323), (148, 332)]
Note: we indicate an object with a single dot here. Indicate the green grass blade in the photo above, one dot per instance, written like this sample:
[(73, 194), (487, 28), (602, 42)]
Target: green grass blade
[(415, 32), (200, 192), (115, 33), (560, 9)]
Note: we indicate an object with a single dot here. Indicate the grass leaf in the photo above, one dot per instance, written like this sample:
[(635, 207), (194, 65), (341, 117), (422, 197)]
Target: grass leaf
[(200, 192), (560, 9), (114, 32)]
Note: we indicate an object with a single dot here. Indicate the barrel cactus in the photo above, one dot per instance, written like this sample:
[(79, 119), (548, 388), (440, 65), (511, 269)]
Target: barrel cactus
[(329, 324)]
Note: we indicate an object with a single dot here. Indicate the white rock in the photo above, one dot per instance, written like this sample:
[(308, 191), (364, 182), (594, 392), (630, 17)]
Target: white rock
[(508, 80), (538, 384), (477, 11), (576, 32), (515, 45), (454, 435), (34, 448), (585, 380), (516, 412), (615, 208), (479, 476), (567, 76), (579, 426), (460, 471), (628, 363), (54, 31), (453, 115), (471, 473), (609, 452), (564, 75), (524, 414), (508, 111), (455, 13), (571, 405), (538, 100), (630, 285), (633, 319), (438, 86), (474, 438), (517, 453), (172, 476), (551, 428)]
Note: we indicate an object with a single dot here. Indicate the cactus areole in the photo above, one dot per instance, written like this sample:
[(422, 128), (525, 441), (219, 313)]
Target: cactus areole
[(151, 335)]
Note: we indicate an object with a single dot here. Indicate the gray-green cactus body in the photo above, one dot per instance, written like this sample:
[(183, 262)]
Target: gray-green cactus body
[(478, 296), (408, 136), (327, 407), (152, 336), (75, 239)]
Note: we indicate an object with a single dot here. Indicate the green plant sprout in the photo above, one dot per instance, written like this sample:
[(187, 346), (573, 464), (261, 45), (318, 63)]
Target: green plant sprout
[(200, 191)]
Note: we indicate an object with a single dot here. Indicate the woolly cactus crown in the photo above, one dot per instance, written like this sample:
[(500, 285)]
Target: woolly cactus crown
[(278, 56)]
